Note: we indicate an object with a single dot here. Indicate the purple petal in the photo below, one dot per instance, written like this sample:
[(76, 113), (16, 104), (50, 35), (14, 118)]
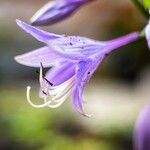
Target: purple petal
[(42, 55), (80, 48), (61, 73), (147, 33), (56, 11), (77, 99), (121, 41), (84, 72), (70, 47), (40, 35), (81, 81), (142, 130), (76, 47)]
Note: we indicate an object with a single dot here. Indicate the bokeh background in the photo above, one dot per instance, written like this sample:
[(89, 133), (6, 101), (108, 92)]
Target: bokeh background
[(116, 94)]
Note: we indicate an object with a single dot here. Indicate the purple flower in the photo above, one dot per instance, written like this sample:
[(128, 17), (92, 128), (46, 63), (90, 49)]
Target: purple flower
[(56, 11), (142, 130), (74, 60), (147, 33)]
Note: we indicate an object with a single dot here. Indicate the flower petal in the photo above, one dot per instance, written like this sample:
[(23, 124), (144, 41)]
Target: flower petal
[(71, 47), (76, 47), (147, 33), (61, 73), (84, 72), (142, 130), (77, 99), (80, 48), (81, 81), (40, 35), (121, 41), (42, 55)]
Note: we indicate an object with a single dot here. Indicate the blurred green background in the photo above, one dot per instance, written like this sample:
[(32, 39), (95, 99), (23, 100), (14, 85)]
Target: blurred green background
[(116, 94)]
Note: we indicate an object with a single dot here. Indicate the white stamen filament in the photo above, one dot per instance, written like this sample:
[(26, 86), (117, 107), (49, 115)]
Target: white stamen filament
[(63, 93), (59, 94), (32, 104), (54, 95), (58, 102), (62, 88)]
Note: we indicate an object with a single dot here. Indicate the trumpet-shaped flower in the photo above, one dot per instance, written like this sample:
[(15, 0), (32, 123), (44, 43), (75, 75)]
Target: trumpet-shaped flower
[(56, 10), (142, 130), (74, 60)]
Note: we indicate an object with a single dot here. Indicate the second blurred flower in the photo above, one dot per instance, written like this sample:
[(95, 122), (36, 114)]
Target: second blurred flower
[(142, 130), (56, 10)]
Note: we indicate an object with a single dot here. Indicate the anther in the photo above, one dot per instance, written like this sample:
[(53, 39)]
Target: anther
[(44, 92), (51, 84)]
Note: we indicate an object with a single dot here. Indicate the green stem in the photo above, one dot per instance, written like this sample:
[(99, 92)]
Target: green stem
[(141, 8), (142, 33)]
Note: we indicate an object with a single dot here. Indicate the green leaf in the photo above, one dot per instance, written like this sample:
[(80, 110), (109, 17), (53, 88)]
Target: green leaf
[(147, 3)]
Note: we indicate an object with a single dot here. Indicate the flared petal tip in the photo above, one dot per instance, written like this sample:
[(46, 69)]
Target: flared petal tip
[(21, 60), (35, 21), (83, 113), (22, 24), (38, 18), (19, 22), (38, 22), (18, 59)]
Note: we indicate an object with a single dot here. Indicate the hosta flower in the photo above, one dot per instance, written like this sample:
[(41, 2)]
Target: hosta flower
[(147, 33), (56, 10), (142, 130), (74, 60)]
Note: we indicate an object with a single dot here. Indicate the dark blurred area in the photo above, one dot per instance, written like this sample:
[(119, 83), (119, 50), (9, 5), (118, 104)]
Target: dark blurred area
[(117, 92)]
